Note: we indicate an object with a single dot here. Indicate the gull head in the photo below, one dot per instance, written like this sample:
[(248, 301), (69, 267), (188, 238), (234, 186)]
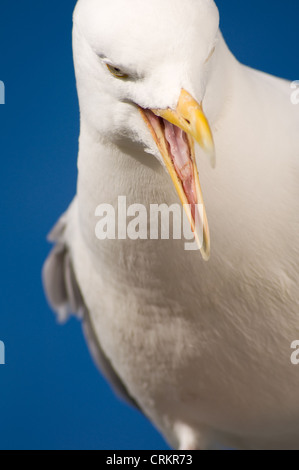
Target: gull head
[(142, 68)]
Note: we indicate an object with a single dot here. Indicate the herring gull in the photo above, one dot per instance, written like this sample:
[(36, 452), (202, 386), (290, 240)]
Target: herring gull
[(197, 340)]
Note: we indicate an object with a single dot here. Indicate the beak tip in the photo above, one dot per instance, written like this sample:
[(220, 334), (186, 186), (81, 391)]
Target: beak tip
[(205, 255), (209, 150)]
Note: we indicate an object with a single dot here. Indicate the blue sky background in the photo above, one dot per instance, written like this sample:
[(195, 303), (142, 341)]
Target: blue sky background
[(51, 395)]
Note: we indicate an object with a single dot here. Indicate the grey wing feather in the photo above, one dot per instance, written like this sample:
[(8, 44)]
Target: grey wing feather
[(64, 296)]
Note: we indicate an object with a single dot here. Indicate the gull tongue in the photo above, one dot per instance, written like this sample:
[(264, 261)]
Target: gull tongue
[(176, 149), (181, 158)]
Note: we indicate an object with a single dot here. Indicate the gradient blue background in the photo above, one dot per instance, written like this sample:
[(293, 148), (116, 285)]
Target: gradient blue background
[(51, 395)]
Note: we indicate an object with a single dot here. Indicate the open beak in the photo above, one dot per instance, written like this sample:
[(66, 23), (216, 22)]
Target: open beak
[(174, 132)]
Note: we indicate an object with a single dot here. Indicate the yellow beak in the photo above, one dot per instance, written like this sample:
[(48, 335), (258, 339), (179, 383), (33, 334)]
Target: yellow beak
[(189, 117)]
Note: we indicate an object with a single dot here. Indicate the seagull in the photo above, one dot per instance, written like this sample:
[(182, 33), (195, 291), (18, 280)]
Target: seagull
[(198, 340)]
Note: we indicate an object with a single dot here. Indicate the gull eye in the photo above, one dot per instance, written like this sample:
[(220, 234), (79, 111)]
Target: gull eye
[(116, 72)]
